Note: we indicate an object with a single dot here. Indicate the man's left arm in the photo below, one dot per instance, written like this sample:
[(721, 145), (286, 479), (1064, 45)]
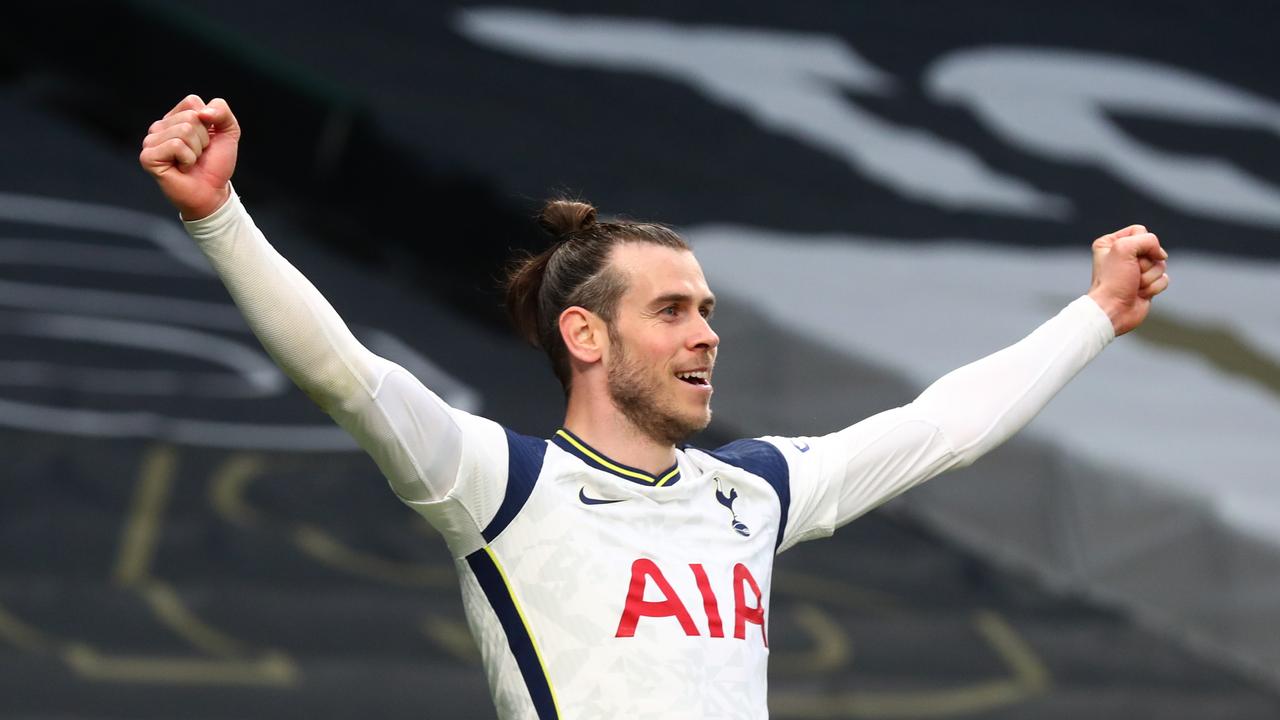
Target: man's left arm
[(974, 409), (980, 405)]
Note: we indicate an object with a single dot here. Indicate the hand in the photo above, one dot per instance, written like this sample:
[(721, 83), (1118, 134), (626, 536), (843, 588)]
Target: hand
[(191, 152), (1128, 271)]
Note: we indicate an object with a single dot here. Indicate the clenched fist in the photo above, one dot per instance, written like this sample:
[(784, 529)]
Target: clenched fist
[(191, 152), (1128, 270)]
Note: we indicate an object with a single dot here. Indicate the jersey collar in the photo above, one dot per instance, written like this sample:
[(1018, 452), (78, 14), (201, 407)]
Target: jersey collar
[(574, 445)]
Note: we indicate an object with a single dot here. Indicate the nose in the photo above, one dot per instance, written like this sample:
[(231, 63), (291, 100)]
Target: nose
[(703, 337)]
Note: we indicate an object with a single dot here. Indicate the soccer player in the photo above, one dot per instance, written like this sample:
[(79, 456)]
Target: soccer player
[(608, 571)]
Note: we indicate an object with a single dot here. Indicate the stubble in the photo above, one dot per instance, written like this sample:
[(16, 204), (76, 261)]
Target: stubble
[(638, 393)]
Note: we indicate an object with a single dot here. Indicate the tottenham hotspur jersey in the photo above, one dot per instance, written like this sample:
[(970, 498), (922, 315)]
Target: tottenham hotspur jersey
[(597, 590)]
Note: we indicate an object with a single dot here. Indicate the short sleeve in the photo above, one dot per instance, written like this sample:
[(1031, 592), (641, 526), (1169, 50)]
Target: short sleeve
[(497, 470)]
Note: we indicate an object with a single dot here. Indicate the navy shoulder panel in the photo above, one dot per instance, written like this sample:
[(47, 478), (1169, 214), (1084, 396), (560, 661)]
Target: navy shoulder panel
[(761, 458), (524, 464)]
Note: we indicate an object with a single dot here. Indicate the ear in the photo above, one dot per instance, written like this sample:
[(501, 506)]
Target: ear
[(584, 334)]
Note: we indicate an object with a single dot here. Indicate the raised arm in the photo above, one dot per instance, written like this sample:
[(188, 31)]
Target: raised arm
[(191, 153), (973, 409), (981, 405)]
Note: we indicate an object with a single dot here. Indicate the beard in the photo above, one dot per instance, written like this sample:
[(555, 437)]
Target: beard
[(639, 395)]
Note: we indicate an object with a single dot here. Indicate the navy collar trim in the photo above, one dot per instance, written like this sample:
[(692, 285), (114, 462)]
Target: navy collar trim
[(574, 445)]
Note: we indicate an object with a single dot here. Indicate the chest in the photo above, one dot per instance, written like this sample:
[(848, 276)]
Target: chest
[(720, 513), (693, 561)]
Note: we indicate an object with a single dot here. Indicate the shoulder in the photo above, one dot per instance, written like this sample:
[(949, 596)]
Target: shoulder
[(763, 458), (524, 456), (491, 451), (760, 457), (525, 453), (492, 441), (757, 456)]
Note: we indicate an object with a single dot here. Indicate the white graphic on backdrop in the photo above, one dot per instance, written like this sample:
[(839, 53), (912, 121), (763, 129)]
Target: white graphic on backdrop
[(1052, 103), (789, 83), (98, 318), (854, 294), (1058, 104)]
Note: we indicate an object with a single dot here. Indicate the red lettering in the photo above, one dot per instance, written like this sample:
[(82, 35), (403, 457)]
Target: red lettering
[(741, 613), (642, 571), (709, 604)]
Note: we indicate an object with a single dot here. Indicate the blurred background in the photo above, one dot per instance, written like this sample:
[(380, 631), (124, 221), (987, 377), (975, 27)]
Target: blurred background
[(878, 192)]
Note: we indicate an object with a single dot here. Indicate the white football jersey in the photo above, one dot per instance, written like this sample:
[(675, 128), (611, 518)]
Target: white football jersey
[(597, 590)]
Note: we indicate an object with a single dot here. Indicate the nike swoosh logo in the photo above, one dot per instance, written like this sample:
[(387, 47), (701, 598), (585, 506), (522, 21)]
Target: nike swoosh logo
[(582, 495), (801, 445)]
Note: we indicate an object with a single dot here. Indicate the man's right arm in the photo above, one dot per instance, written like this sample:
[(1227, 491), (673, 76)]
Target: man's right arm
[(409, 431)]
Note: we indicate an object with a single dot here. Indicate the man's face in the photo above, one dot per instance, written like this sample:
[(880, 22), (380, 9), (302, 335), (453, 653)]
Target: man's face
[(662, 350)]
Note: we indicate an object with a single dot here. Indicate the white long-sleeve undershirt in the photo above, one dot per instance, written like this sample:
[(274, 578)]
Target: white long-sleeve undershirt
[(377, 401), (961, 416), (957, 419)]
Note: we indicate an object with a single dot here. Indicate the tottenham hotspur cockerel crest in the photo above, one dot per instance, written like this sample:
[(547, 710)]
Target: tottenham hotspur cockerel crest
[(727, 501)]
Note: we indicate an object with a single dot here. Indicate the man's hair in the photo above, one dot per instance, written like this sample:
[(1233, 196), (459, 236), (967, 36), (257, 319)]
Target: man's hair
[(573, 271)]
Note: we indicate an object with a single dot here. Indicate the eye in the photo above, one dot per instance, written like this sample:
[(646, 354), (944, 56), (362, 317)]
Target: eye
[(670, 311), (706, 312)]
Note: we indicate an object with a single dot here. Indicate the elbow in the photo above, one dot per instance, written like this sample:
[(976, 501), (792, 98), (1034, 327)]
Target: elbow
[(964, 459), (960, 442), (966, 439), (967, 451)]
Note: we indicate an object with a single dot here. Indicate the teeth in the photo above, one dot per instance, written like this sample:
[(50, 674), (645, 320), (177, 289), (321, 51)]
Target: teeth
[(699, 374)]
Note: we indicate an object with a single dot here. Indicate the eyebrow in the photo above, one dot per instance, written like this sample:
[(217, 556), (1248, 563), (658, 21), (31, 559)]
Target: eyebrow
[(709, 301)]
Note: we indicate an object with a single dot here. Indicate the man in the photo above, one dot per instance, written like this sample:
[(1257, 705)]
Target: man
[(607, 572)]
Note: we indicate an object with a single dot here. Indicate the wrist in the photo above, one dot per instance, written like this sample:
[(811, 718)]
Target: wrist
[(1113, 308), (207, 206)]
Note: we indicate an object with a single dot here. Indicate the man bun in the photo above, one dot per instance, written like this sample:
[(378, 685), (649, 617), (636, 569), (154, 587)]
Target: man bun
[(573, 270), (565, 217)]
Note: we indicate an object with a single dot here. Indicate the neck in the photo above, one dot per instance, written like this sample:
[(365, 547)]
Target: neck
[(604, 428)]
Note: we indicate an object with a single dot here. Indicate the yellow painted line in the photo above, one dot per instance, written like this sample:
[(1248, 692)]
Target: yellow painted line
[(226, 489), (452, 636), (140, 537), (226, 495), (1028, 678), (831, 649), (528, 630), (325, 548), (142, 529), (169, 608), (23, 636), (133, 569), (1221, 346), (1017, 655), (272, 670), (618, 469)]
